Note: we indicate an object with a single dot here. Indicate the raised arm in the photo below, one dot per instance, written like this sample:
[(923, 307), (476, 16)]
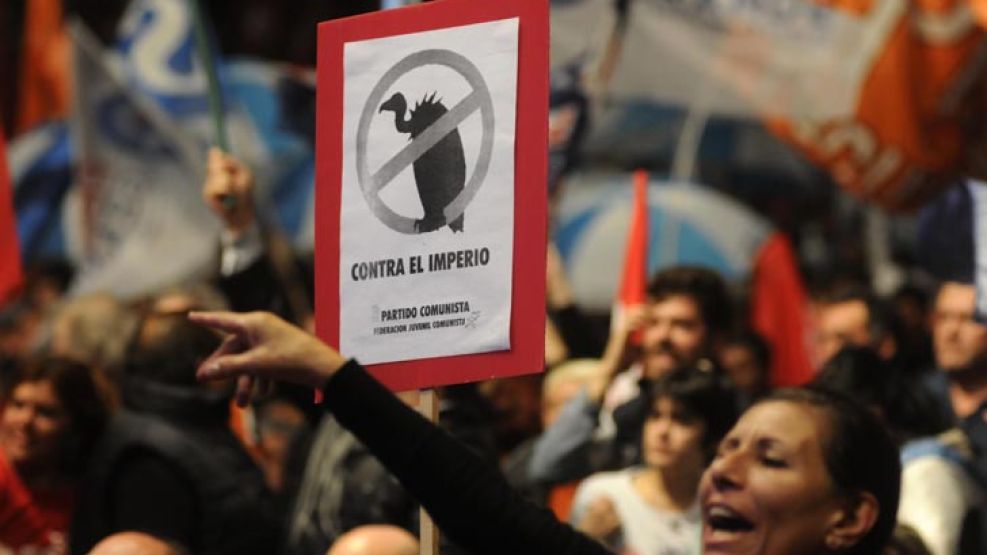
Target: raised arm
[(564, 451)]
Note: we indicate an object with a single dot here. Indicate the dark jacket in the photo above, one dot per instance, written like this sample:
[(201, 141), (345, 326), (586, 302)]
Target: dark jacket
[(170, 466)]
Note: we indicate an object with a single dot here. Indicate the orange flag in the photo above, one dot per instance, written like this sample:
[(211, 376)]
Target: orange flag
[(634, 278), (11, 274), (908, 126), (44, 71)]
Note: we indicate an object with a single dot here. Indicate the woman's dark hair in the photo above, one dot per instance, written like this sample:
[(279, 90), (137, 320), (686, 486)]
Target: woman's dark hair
[(860, 456), (705, 396), (85, 396)]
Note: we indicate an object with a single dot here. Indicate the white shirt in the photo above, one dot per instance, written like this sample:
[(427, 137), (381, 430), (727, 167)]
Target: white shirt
[(645, 529)]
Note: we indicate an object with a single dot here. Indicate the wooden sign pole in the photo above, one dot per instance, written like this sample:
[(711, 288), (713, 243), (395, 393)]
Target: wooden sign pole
[(428, 406)]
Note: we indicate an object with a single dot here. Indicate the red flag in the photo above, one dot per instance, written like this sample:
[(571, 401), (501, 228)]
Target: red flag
[(11, 273), (779, 311), (634, 278)]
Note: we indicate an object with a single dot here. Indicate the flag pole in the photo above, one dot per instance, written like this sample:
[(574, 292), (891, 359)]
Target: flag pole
[(212, 80)]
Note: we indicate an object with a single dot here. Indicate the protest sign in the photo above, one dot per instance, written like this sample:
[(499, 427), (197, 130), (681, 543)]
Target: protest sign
[(430, 236)]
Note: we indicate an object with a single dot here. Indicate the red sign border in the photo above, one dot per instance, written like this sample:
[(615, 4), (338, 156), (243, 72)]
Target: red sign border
[(527, 353)]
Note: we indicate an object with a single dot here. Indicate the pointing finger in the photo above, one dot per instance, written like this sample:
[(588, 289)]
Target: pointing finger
[(229, 322), (227, 366)]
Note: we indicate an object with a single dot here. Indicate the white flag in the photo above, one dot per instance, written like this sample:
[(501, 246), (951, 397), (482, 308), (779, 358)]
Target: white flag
[(135, 218), (727, 57)]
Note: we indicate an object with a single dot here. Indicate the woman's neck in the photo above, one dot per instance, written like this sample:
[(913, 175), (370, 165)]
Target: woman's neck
[(668, 489)]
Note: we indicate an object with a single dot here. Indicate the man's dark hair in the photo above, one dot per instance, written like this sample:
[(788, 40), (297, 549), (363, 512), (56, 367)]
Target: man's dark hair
[(167, 349), (860, 456), (880, 319), (704, 286), (705, 396), (907, 407)]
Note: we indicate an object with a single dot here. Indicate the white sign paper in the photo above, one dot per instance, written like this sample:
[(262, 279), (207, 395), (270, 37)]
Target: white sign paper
[(427, 215)]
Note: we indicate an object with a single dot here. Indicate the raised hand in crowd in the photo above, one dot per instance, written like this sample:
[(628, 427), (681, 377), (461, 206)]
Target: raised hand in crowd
[(621, 351), (228, 191)]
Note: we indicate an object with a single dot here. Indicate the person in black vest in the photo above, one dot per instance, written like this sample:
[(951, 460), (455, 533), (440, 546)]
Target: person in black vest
[(169, 464)]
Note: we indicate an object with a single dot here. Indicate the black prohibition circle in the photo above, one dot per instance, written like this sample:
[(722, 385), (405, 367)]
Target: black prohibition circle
[(369, 183)]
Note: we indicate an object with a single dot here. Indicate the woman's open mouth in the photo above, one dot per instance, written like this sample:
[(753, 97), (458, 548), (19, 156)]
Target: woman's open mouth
[(726, 530), (723, 518)]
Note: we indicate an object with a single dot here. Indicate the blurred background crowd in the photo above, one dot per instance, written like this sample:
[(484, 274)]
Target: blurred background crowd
[(814, 206)]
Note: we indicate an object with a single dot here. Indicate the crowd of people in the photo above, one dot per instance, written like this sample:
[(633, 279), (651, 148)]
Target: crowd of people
[(183, 422)]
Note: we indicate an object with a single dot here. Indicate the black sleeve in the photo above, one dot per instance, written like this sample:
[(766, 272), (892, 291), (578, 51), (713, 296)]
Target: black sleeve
[(149, 495), (468, 499)]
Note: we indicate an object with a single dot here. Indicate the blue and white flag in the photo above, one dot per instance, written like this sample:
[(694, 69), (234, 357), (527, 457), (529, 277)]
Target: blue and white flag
[(268, 108), (156, 42)]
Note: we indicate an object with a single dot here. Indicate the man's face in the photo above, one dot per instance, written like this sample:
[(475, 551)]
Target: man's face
[(839, 325), (742, 366), (959, 341), (674, 336)]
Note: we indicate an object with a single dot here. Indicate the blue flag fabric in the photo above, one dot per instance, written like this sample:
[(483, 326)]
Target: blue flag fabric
[(156, 41), (41, 170)]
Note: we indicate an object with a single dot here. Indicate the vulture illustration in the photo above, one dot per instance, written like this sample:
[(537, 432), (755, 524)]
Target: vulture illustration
[(440, 173)]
